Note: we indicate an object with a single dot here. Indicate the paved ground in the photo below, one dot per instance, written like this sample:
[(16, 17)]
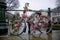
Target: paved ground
[(54, 36)]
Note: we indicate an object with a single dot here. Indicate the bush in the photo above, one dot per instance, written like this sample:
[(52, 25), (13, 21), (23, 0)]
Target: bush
[(56, 26)]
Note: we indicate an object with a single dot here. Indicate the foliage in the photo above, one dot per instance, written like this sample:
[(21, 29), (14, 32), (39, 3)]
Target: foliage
[(56, 26)]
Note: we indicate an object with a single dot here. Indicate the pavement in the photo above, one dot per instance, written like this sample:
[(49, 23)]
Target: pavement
[(55, 35)]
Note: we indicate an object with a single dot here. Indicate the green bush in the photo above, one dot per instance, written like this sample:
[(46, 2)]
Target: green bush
[(56, 26)]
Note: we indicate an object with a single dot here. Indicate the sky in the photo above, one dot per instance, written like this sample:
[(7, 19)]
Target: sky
[(38, 4)]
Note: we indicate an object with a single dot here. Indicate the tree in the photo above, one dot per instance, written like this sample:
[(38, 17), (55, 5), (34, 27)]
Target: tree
[(58, 3), (12, 4)]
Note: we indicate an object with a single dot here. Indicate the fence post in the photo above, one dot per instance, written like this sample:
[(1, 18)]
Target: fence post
[(3, 23), (49, 28)]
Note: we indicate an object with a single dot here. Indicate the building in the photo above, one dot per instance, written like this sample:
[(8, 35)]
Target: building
[(56, 15)]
